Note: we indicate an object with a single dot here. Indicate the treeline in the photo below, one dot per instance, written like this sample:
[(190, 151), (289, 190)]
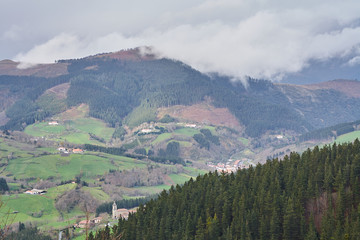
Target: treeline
[(110, 150), (114, 88), (97, 138), (110, 96), (333, 131), (314, 195), (25, 233), (3, 185), (124, 203), (26, 110), (170, 155), (205, 137)]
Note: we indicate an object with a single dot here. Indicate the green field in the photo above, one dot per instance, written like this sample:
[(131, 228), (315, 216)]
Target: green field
[(348, 137), (194, 172), (74, 131), (66, 168), (187, 131), (244, 141), (152, 189), (179, 178), (182, 143), (16, 149), (211, 128), (39, 208), (30, 207), (74, 126), (162, 137), (97, 193)]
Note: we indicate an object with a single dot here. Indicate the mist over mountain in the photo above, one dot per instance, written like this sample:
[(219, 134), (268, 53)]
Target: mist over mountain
[(193, 119), (114, 85)]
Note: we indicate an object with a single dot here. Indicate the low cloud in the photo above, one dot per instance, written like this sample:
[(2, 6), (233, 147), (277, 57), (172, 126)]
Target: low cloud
[(268, 43)]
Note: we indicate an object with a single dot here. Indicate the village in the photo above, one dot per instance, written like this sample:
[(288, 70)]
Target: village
[(115, 215)]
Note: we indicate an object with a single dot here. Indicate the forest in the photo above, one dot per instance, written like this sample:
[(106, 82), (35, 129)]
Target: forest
[(333, 131), (313, 195), (114, 88)]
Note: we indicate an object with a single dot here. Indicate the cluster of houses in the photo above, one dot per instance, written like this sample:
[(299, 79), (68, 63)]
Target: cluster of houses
[(116, 214), (231, 166), (66, 151)]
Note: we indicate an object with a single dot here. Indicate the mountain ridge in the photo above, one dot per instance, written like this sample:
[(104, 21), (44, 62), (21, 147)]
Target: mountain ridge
[(153, 83)]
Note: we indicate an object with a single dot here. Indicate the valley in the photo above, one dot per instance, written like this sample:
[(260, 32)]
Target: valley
[(126, 126)]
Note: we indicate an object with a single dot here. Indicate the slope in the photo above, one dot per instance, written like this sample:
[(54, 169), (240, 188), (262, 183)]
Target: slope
[(310, 196), (128, 87)]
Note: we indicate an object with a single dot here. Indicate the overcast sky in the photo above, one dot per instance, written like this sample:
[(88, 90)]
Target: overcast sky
[(258, 38)]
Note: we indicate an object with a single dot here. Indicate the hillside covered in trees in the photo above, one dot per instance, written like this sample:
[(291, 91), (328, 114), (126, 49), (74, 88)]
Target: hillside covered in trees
[(116, 87), (315, 195)]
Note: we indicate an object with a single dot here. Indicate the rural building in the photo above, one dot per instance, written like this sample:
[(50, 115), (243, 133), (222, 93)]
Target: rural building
[(85, 224), (122, 212), (35, 192), (146, 130), (61, 149), (77, 150), (53, 123), (96, 220)]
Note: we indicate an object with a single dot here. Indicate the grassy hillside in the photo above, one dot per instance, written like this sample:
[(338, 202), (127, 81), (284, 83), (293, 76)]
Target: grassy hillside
[(75, 126), (66, 168), (27, 166)]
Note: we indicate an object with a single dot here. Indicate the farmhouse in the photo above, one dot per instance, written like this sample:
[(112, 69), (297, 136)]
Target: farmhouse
[(85, 224), (279, 136), (77, 150), (53, 123), (35, 192), (146, 130)]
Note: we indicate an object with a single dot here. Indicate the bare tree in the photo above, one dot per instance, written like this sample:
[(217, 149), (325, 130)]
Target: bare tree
[(6, 219)]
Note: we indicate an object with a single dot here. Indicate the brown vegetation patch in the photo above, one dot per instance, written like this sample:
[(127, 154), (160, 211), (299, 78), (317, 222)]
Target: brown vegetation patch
[(8, 67), (75, 112), (202, 113), (350, 88), (317, 207), (76, 198), (60, 91)]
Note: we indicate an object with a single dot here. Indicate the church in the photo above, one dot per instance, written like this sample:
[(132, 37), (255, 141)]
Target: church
[(117, 213)]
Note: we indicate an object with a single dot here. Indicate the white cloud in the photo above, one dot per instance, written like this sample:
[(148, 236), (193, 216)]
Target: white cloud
[(66, 46), (354, 61), (261, 39)]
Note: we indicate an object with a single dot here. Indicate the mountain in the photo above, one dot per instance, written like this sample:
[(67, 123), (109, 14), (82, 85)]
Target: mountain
[(131, 89), (129, 124)]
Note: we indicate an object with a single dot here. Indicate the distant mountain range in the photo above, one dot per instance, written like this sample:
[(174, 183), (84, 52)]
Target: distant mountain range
[(129, 88)]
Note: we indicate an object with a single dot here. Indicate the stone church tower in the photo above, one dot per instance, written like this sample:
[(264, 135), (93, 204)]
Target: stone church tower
[(114, 208)]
